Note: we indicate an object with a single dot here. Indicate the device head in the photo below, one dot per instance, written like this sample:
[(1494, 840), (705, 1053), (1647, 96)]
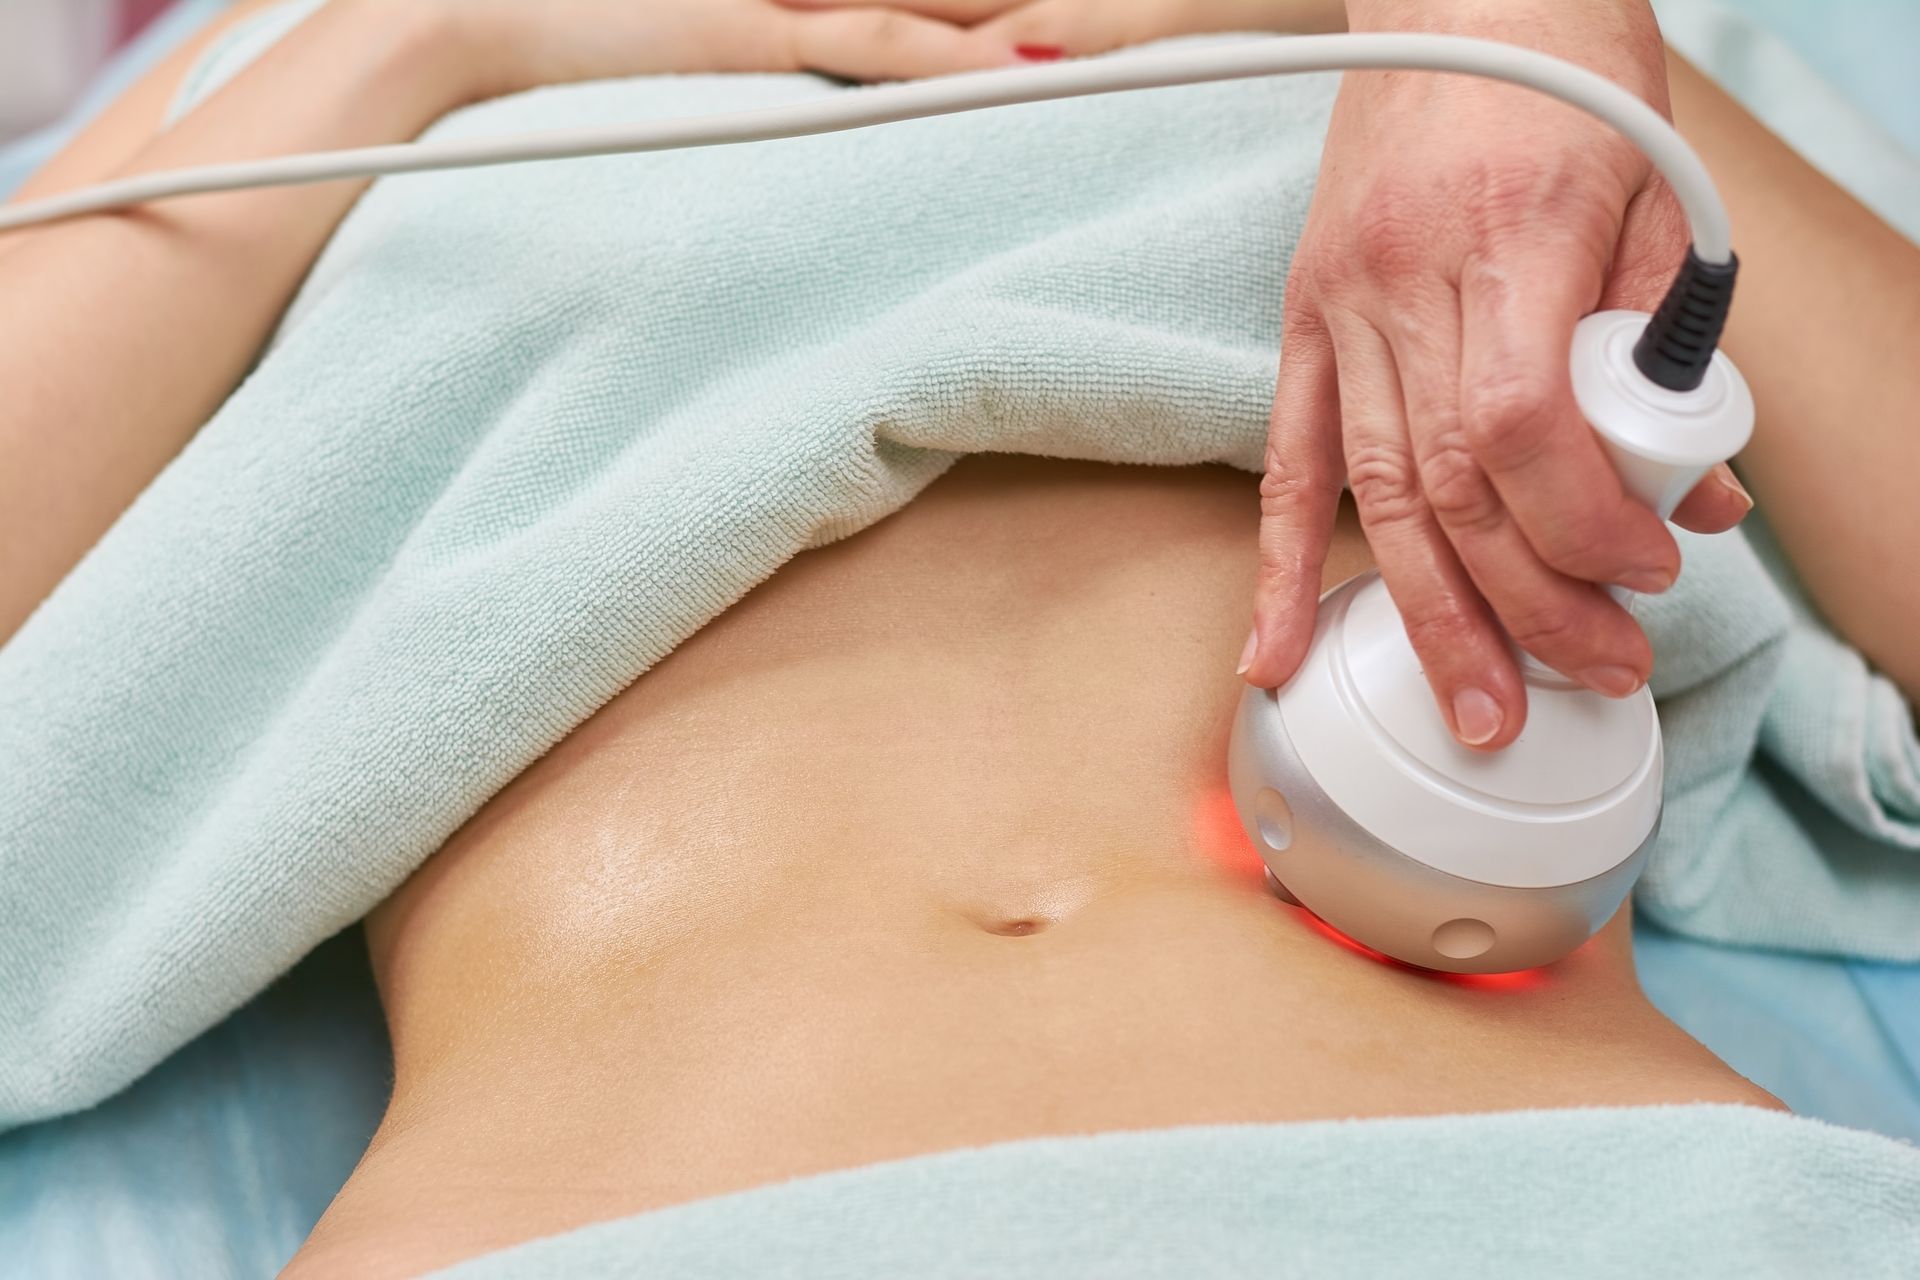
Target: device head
[(1375, 819)]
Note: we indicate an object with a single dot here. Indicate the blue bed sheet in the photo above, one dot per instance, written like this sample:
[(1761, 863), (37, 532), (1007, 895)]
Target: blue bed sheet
[(219, 1162)]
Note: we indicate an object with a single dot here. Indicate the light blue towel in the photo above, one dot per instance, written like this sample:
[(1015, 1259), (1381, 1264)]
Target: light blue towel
[(528, 429), (1601, 1194)]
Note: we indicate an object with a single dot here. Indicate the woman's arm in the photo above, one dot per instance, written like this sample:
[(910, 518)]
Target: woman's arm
[(122, 334), (1825, 325)]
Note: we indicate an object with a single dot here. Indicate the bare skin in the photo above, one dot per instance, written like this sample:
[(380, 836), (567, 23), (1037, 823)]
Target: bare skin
[(924, 844)]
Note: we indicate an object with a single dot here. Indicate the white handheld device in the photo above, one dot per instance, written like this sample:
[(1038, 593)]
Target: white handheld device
[(1370, 815)]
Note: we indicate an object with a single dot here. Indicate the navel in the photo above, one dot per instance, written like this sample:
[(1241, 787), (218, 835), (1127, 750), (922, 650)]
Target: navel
[(1022, 927)]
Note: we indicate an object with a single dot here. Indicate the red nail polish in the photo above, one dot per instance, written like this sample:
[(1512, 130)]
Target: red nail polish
[(1040, 52)]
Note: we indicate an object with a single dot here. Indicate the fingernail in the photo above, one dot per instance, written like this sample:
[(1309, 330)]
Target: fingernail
[(1731, 483), (1476, 716), (1040, 52), (1246, 654), (1647, 581), (1615, 682)]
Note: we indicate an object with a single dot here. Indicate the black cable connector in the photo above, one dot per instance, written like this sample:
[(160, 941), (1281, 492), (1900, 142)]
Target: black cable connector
[(1677, 345)]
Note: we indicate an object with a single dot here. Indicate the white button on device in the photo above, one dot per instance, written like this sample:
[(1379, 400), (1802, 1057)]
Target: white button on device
[(1463, 939), (1274, 817)]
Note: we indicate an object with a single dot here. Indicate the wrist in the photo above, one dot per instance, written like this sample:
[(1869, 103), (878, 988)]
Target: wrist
[(1594, 27), (1467, 15), (439, 52), (1618, 38)]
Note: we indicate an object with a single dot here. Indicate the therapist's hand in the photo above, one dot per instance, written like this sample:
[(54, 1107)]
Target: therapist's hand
[(1459, 230)]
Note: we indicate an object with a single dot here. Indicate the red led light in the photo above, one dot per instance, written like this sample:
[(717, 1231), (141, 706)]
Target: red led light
[(1518, 980), (1326, 930), (1521, 980), (1218, 835)]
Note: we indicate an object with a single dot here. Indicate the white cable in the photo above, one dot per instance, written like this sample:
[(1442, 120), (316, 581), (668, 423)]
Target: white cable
[(1594, 94)]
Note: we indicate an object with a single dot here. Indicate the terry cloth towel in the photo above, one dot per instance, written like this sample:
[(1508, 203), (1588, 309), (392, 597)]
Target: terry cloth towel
[(527, 429), (1597, 1194)]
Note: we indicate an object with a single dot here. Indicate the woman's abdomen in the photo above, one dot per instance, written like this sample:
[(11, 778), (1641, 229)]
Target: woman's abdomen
[(925, 844)]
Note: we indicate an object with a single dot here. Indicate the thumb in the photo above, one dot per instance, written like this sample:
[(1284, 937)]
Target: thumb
[(1653, 241), (1651, 246), (1716, 504)]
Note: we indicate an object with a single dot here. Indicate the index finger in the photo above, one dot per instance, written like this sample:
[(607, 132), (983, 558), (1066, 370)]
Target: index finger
[(1299, 497)]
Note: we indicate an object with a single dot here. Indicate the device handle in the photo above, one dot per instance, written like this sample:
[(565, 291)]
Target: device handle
[(1661, 442), (1659, 483)]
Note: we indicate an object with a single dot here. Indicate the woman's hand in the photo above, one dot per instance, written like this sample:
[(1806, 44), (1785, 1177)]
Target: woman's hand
[(1459, 231), (1045, 29), (514, 45)]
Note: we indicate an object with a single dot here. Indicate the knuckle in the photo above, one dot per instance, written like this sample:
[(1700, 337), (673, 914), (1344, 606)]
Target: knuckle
[(1313, 274), (1524, 194), (1438, 633), (1284, 482), (1505, 419), (1298, 310), (1545, 629), (1303, 329), (1521, 200), (1578, 545), (1457, 489), (1517, 215), (1391, 233), (1504, 196), (1384, 486)]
